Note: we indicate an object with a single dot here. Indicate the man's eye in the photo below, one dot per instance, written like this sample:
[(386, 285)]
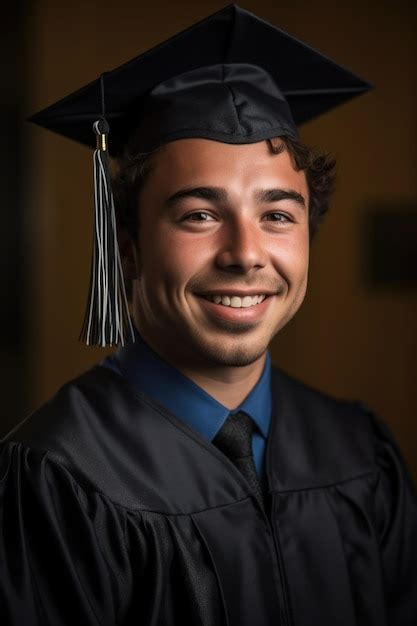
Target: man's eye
[(198, 216), (278, 217)]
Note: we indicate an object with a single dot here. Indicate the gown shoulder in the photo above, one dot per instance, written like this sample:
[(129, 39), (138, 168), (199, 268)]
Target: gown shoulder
[(64, 551)]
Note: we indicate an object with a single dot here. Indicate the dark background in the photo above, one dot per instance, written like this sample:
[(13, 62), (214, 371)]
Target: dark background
[(356, 334)]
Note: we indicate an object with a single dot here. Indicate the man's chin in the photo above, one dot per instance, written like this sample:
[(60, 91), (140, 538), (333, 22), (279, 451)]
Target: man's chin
[(231, 353)]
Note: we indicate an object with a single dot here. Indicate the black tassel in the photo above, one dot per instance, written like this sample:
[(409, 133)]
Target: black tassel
[(107, 320)]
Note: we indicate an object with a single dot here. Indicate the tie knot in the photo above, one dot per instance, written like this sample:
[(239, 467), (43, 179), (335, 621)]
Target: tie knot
[(234, 438)]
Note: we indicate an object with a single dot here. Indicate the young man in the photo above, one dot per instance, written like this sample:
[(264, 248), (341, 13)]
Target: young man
[(185, 480)]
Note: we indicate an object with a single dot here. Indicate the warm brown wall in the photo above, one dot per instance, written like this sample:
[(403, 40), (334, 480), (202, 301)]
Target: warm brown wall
[(347, 340)]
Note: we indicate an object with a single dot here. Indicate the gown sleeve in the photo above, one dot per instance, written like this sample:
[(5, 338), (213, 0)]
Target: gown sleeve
[(61, 551), (396, 503)]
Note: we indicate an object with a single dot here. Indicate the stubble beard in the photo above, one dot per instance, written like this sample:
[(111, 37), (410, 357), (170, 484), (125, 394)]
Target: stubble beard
[(222, 353)]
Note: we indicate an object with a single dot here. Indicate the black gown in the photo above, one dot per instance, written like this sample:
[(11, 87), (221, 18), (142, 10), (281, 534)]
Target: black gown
[(113, 511)]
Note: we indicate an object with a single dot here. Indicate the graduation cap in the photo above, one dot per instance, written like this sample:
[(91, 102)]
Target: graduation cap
[(231, 77)]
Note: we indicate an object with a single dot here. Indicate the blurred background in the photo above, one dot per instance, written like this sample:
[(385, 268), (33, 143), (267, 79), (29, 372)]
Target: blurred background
[(356, 334)]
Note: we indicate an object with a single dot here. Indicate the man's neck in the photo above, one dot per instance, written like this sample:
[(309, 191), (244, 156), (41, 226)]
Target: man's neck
[(228, 385)]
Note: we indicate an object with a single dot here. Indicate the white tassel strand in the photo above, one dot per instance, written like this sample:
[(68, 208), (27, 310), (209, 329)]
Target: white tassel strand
[(107, 319)]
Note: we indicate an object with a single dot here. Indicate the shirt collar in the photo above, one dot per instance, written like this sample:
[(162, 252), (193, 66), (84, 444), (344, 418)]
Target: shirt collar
[(150, 374)]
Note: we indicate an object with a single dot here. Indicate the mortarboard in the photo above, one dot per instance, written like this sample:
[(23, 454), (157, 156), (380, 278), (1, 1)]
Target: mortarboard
[(231, 77)]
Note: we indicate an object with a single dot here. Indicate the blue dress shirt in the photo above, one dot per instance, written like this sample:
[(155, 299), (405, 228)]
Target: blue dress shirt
[(162, 382)]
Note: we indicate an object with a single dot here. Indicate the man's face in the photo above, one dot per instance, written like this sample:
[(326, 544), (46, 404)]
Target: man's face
[(220, 220)]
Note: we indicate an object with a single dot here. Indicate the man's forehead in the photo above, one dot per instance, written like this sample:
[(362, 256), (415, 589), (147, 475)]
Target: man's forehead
[(222, 173), (199, 154)]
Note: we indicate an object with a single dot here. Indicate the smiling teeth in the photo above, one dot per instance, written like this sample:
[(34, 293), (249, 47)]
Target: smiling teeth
[(236, 301)]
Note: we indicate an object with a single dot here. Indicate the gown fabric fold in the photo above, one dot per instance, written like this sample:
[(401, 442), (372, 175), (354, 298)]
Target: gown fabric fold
[(113, 511)]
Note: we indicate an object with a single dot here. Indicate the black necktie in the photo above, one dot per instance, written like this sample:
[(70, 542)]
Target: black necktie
[(234, 439)]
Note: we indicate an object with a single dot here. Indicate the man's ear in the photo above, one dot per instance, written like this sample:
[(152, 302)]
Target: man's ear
[(127, 255)]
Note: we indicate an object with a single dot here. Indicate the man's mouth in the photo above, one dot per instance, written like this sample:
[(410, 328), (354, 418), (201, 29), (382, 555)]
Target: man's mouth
[(236, 302)]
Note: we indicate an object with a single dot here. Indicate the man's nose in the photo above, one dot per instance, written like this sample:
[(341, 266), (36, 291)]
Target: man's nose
[(241, 247)]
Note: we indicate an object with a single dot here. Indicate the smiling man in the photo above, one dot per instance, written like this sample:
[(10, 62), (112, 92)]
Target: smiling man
[(184, 480), (224, 249)]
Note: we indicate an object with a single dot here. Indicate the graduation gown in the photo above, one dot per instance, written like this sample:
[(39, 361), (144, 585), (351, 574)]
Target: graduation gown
[(113, 511)]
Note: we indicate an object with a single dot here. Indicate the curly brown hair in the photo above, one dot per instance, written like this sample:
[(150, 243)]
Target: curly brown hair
[(133, 171)]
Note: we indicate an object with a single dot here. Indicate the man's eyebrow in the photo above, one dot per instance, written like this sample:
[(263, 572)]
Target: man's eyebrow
[(275, 195), (213, 194), (219, 194)]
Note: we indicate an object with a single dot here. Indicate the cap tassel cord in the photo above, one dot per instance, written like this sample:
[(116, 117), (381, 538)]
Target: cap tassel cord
[(107, 318)]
